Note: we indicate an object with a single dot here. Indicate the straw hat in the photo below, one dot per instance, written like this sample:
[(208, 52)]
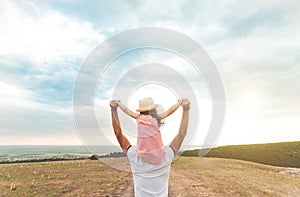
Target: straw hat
[(146, 104)]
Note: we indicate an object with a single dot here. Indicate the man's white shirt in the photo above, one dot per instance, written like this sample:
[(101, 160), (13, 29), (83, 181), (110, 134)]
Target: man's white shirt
[(150, 179)]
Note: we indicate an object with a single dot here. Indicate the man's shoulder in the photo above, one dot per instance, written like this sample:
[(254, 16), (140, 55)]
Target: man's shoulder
[(134, 158), (130, 151)]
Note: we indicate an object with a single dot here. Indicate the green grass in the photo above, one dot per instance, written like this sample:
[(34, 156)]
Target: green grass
[(285, 154)]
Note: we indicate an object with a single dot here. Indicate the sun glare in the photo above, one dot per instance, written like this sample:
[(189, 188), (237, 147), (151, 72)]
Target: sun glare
[(251, 101)]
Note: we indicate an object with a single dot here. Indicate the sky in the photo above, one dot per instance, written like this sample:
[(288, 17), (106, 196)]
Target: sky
[(255, 47)]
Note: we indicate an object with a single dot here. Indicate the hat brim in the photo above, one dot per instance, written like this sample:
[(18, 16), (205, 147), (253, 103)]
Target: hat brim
[(148, 108)]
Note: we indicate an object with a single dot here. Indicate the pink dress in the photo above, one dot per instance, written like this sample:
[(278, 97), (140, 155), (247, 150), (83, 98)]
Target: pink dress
[(149, 143)]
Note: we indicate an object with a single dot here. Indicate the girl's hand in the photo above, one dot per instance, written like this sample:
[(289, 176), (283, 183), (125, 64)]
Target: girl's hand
[(180, 101), (114, 104), (185, 104)]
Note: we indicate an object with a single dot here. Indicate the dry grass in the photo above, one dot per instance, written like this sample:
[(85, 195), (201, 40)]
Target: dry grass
[(190, 176), (67, 178), (194, 176)]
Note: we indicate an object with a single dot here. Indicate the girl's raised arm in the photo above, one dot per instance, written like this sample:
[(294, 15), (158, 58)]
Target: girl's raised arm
[(171, 110), (127, 111)]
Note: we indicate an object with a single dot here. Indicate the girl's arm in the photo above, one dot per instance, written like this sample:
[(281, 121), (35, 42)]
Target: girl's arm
[(171, 110), (127, 111)]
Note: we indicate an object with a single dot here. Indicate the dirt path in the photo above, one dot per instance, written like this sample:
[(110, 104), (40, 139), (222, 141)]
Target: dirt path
[(173, 192), (129, 191), (176, 186)]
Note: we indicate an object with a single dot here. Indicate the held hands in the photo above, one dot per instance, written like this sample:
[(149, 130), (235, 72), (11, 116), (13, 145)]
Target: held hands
[(114, 104), (180, 101), (185, 103)]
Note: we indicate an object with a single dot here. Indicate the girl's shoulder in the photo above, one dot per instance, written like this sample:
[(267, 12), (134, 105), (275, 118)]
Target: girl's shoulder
[(145, 117)]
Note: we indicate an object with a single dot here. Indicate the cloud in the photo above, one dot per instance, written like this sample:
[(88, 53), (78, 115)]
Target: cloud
[(254, 46), (27, 139), (44, 34), (41, 51), (14, 96), (21, 114), (43, 48)]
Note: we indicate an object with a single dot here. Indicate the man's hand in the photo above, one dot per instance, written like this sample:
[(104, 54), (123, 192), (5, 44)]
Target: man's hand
[(185, 104), (123, 141), (178, 139), (113, 104)]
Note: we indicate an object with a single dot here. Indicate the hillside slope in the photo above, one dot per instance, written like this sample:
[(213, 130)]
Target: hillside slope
[(285, 154)]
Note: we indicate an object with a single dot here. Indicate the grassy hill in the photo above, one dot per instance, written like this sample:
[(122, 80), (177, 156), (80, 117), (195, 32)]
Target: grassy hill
[(285, 154)]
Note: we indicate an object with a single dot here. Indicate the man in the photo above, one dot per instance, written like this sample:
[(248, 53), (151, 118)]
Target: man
[(150, 179)]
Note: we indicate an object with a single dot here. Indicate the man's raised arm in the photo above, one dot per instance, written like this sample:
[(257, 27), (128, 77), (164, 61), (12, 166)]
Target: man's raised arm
[(178, 139), (123, 141)]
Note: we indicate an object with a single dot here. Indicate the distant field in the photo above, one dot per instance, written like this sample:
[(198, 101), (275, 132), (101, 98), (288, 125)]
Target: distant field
[(285, 154), (9, 154), (190, 176)]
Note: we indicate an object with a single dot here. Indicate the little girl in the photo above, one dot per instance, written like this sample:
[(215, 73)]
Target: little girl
[(150, 147)]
